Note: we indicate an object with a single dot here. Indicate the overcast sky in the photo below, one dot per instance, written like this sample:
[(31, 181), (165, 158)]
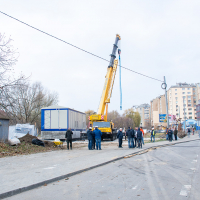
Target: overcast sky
[(158, 38)]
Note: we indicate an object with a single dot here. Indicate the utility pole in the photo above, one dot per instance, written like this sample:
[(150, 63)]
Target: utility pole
[(166, 101)]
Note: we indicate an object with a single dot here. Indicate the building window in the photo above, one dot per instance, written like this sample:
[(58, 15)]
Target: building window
[(188, 88), (190, 113), (176, 98), (183, 92), (189, 108), (176, 109), (184, 113), (194, 101), (175, 89), (176, 105), (176, 102), (184, 104), (189, 101), (175, 93), (183, 97), (190, 117), (183, 88), (189, 97), (189, 92), (177, 114), (189, 105)]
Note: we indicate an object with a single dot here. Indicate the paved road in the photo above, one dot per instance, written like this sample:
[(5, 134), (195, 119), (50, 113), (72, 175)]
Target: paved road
[(165, 173)]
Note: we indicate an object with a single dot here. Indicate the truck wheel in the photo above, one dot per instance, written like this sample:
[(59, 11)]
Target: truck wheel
[(111, 139)]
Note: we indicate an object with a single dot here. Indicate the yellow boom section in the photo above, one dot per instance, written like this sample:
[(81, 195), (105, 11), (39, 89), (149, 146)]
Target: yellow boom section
[(108, 86)]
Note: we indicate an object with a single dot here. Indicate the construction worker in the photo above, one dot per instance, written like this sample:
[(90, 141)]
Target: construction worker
[(142, 134), (170, 133), (98, 135), (120, 137), (68, 136), (90, 138), (139, 138), (153, 133)]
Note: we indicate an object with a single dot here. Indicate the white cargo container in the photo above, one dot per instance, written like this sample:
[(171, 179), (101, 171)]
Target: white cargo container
[(55, 120)]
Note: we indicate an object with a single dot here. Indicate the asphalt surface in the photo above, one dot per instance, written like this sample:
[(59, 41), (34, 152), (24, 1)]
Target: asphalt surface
[(170, 172)]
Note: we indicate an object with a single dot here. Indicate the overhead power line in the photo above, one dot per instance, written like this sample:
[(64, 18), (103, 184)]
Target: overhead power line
[(76, 46)]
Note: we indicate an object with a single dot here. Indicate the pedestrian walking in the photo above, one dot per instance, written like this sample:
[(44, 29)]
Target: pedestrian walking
[(120, 137), (142, 135), (98, 135), (139, 138), (188, 132), (175, 133), (68, 136), (132, 138), (193, 130), (129, 135), (90, 138), (170, 132), (135, 137), (167, 137), (153, 133)]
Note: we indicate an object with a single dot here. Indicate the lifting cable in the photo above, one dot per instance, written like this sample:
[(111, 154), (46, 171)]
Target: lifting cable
[(120, 83)]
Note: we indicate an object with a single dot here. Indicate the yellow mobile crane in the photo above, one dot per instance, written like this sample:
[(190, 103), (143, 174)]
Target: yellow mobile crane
[(100, 119)]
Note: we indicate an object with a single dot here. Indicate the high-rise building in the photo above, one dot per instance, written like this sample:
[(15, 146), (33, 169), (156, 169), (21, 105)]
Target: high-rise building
[(144, 110), (182, 100)]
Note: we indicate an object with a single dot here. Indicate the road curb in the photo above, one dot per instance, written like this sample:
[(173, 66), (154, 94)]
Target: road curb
[(42, 183)]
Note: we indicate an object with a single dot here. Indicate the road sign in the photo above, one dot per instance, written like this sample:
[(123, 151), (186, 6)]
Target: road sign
[(163, 118)]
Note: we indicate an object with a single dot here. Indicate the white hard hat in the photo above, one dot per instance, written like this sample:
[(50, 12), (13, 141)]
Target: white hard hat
[(90, 127), (96, 126)]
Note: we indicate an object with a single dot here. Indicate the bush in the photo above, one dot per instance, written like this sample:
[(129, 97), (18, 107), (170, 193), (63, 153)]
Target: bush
[(181, 134)]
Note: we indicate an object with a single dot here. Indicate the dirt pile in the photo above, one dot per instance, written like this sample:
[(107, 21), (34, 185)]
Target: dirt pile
[(27, 138), (48, 143)]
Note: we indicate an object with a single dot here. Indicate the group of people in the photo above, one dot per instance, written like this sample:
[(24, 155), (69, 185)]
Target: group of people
[(170, 133), (135, 137), (94, 137)]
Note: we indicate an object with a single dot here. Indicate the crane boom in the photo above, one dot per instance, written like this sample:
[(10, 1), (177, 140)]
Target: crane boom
[(110, 77)]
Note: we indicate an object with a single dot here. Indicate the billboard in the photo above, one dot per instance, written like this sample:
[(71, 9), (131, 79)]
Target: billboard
[(163, 118)]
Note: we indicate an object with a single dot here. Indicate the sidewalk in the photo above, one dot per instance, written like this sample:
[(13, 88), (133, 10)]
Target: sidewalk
[(21, 171)]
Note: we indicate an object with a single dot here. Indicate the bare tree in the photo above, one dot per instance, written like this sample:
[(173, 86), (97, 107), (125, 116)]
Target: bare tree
[(23, 102), (8, 58)]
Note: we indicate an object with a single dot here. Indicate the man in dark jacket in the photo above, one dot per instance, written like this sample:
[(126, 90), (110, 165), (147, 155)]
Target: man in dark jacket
[(120, 137), (170, 133), (98, 135), (90, 138), (129, 135), (132, 138), (175, 133), (139, 138), (188, 132), (68, 137)]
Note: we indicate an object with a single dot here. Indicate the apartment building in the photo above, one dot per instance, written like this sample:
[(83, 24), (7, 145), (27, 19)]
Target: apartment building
[(157, 106), (144, 110), (182, 100)]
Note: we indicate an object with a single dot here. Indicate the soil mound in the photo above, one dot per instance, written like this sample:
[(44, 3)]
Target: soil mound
[(27, 138), (48, 143)]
